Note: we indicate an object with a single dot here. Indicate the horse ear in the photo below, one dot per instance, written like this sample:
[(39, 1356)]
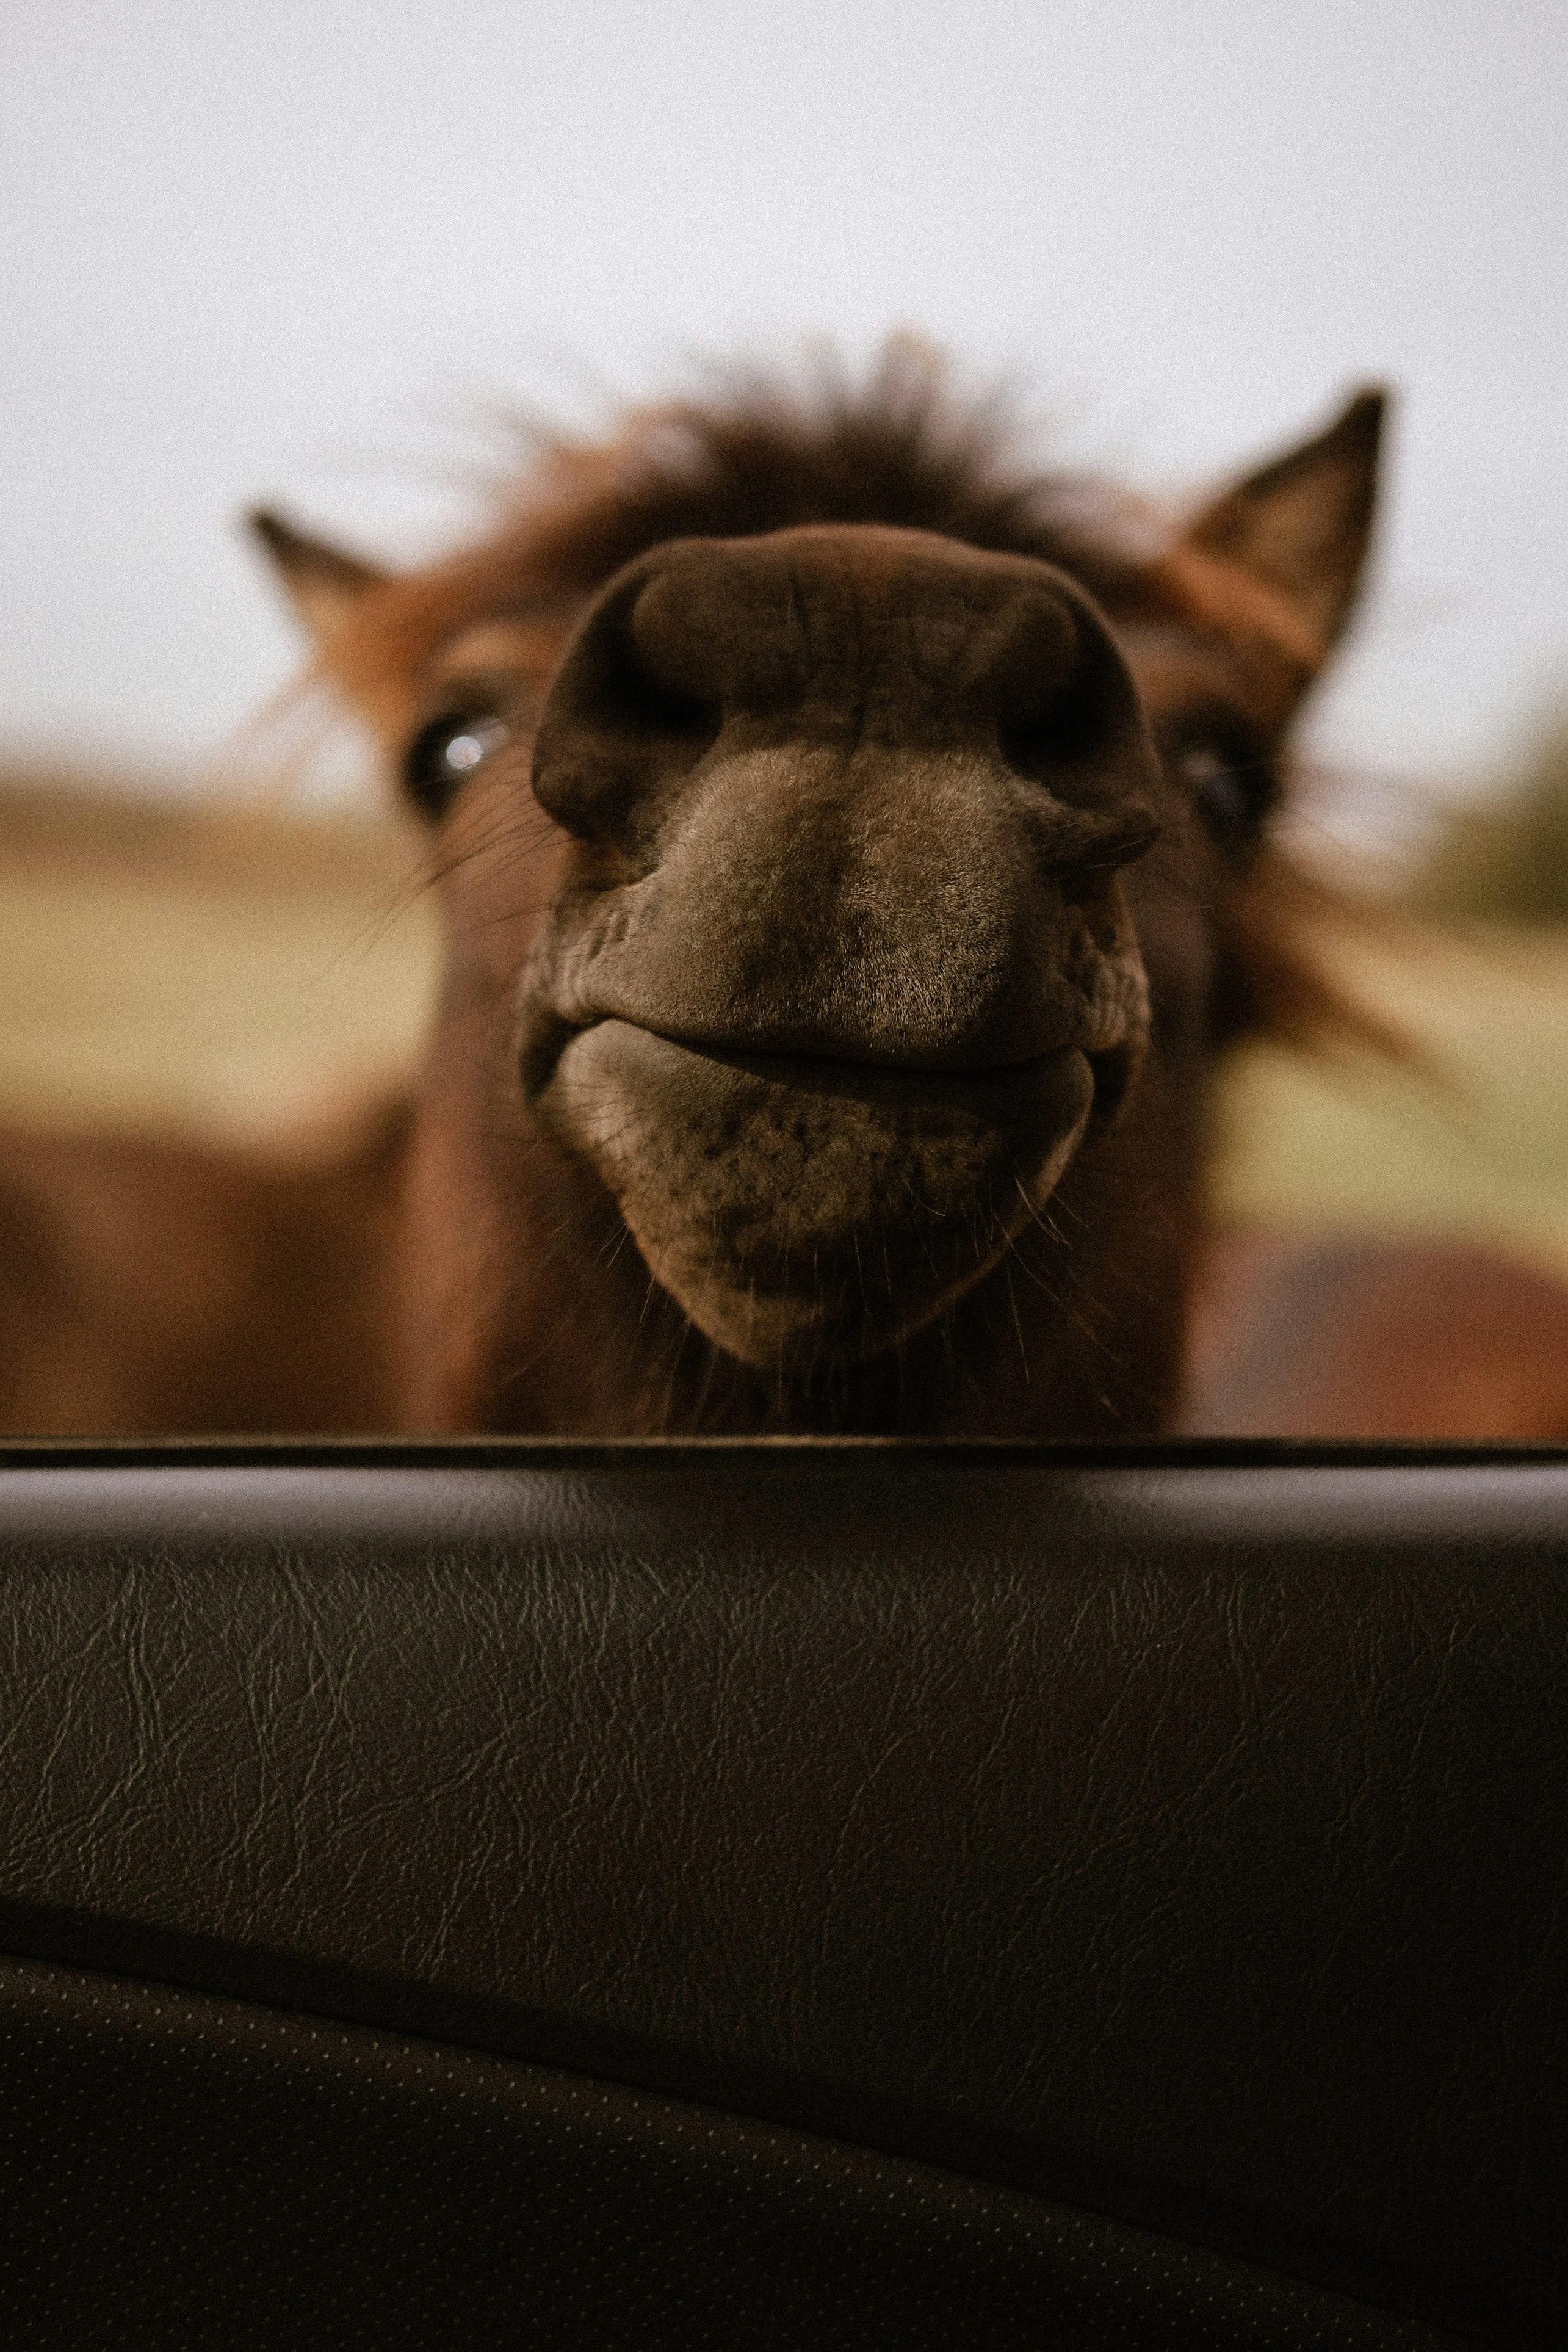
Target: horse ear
[(1302, 524), (322, 583)]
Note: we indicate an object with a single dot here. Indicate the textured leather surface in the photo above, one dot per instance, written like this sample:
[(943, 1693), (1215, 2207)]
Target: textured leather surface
[(1186, 1843), (176, 2169)]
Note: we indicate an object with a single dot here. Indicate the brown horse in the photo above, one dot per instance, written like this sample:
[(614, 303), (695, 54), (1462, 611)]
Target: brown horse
[(855, 850)]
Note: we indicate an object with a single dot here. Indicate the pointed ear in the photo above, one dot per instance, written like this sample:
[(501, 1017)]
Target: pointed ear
[(322, 583), (1301, 525)]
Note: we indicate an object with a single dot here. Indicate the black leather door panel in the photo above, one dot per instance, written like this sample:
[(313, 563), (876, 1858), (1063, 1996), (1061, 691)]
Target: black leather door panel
[(1188, 1842)]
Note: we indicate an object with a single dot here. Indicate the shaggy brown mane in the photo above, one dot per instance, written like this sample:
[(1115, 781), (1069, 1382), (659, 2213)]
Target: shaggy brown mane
[(901, 448), (1274, 942)]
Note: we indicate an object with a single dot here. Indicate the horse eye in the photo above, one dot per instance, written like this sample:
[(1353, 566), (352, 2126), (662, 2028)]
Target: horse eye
[(445, 753), (1230, 793)]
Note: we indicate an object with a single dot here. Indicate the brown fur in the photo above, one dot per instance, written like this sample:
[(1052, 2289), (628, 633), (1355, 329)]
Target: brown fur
[(515, 1288), (148, 1287), (1345, 1339)]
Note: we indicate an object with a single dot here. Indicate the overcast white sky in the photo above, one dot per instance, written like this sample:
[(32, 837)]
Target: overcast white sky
[(288, 247)]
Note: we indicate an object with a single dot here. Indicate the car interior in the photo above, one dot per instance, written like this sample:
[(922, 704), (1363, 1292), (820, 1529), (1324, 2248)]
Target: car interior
[(800, 1893)]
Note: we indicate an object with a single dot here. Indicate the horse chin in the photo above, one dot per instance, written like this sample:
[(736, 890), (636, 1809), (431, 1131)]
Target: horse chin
[(802, 1212)]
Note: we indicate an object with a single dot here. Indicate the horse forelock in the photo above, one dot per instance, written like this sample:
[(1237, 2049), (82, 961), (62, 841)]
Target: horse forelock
[(762, 457)]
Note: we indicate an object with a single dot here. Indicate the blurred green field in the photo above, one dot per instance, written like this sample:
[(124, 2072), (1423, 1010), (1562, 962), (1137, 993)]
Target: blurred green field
[(1470, 1143), (239, 974), (259, 977), (1470, 962)]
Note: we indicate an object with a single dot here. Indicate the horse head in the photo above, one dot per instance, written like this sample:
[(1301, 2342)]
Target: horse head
[(843, 911)]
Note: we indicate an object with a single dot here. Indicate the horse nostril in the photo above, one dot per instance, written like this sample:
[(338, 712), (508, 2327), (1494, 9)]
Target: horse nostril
[(1112, 1069), (1087, 848), (616, 728), (1078, 728), (1040, 737), (649, 691), (1119, 837)]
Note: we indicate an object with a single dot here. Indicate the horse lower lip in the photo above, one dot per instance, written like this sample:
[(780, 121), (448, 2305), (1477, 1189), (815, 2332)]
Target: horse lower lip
[(790, 1203)]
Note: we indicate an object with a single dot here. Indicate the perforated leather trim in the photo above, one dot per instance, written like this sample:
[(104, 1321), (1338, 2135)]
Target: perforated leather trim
[(177, 2170)]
